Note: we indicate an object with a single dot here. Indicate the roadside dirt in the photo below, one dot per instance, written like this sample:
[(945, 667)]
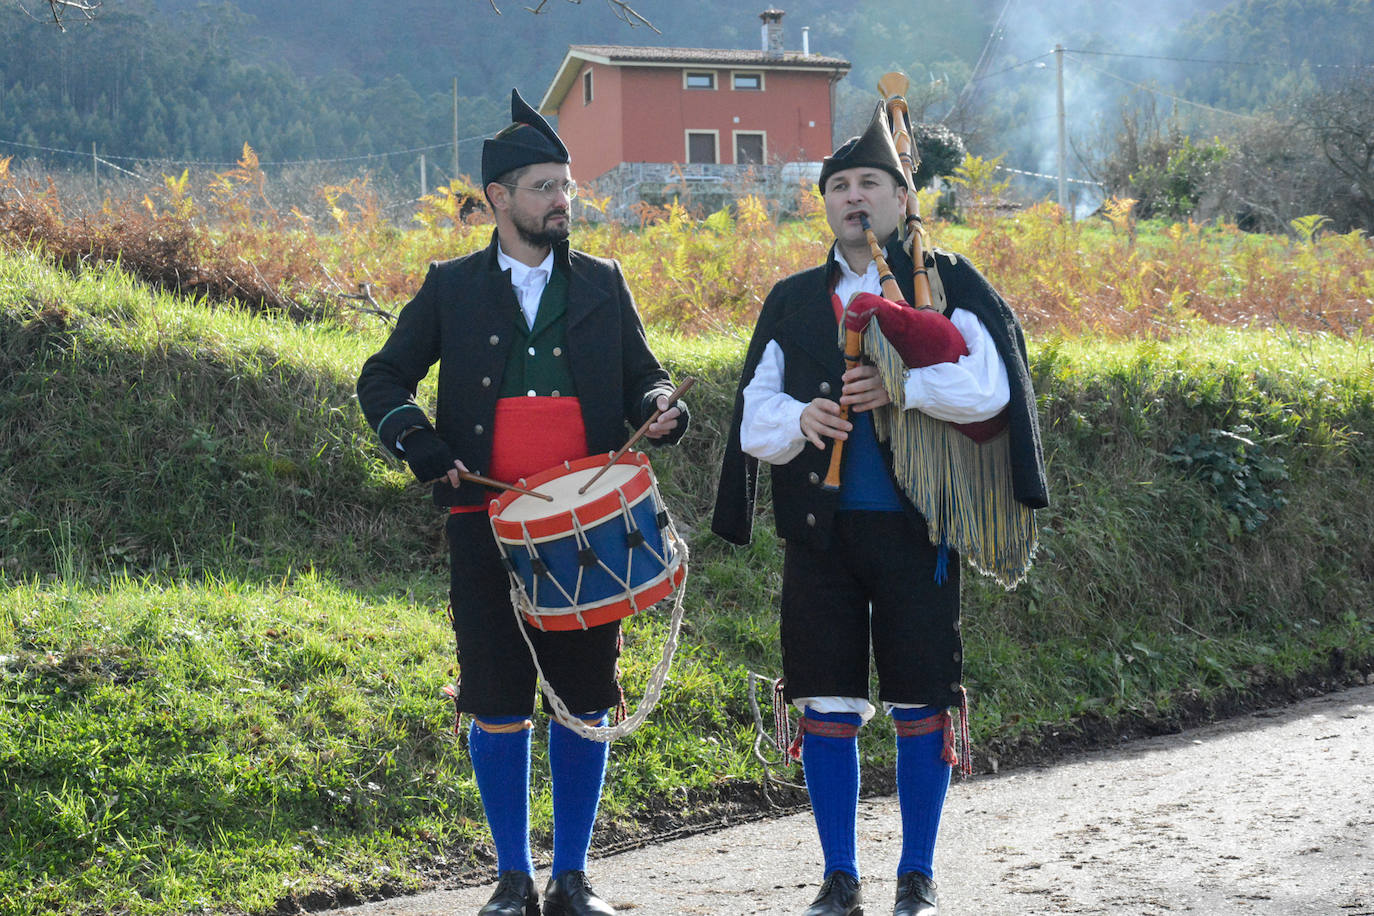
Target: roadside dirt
[(1266, 813)]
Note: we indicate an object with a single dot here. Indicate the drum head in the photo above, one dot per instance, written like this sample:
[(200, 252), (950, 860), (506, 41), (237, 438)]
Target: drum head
[(564, 489)]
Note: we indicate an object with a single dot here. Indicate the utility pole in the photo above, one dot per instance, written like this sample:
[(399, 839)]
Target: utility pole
[(424, 185), (95, 167), (455, 129), (1059, 83)]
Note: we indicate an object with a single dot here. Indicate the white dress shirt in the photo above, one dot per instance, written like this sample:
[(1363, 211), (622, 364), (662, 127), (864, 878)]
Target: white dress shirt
[(973, 388), (529, 282)]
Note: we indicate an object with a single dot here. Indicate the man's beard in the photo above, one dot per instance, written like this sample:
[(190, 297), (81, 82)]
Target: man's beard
[(537, 234)]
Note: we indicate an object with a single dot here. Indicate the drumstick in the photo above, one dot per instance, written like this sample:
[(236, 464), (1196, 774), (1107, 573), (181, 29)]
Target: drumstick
[(488, 482), (677, 392)]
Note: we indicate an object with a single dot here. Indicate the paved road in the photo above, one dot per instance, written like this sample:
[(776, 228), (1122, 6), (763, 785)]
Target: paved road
[(1269, 814)]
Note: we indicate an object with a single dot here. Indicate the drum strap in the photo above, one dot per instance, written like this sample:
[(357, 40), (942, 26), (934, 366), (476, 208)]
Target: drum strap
[(653, 689)]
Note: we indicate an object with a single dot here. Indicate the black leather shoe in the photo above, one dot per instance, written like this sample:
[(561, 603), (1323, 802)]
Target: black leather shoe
[(571, 894), (514, 896), (840, 896), (915, 895)]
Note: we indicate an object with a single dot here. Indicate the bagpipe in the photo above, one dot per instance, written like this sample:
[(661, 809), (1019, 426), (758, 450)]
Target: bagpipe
[(958, 475)]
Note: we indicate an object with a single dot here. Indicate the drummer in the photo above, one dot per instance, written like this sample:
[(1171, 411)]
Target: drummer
[(543, 359)]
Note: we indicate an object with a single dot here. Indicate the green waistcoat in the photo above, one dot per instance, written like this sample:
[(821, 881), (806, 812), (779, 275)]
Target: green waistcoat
[(538, 360)]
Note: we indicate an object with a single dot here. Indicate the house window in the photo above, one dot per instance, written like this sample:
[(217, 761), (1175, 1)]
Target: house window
[(587, 87), (749, 82), (699, 79), (701, 147), (750, 148)]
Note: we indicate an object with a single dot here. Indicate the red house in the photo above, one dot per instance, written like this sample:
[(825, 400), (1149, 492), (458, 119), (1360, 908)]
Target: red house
[(641, 121)]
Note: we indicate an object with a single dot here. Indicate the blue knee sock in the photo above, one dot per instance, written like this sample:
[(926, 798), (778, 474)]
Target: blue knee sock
[(501, 763), (577, 767), (922, 780), (831, 765)]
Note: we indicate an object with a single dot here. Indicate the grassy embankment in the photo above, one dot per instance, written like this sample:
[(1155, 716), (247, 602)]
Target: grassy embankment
[(222, 641)]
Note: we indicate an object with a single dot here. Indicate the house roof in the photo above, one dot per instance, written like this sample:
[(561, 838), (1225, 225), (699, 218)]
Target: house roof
[(625, 55)]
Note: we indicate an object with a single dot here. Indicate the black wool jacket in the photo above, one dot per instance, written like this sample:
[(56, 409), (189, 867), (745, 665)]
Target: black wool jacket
[(462, 318)]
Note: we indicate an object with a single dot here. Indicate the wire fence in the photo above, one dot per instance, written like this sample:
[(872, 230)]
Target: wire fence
[(299, 186)]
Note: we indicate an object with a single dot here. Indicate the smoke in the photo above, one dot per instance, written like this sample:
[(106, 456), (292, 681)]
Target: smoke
[(1114, 57)]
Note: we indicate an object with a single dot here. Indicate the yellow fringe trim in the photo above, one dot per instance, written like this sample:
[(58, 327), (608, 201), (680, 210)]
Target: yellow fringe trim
[(963, 488)]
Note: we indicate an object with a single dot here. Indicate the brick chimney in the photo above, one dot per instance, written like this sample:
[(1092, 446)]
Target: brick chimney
[(772, 32)]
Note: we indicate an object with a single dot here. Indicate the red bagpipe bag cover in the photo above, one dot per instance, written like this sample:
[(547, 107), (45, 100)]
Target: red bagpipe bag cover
[(922, 337)]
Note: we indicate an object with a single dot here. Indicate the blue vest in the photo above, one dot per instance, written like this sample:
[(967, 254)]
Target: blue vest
[(865, 483)]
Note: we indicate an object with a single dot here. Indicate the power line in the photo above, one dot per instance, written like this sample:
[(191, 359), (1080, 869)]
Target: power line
[(1015, 66), (982, 59), (976, 78), (1219, 61), (221, 162), (1167, 95), (992, 36)]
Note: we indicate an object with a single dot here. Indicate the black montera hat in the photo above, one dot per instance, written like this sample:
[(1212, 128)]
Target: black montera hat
[(528, 139), (873, 148)]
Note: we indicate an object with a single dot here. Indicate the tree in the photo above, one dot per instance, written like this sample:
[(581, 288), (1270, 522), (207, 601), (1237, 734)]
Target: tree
[(622, 9), (1276, 175), (941, 151), (61, 9), (1154, 161), (1286, 36), (1342, 123), (1175, 187)]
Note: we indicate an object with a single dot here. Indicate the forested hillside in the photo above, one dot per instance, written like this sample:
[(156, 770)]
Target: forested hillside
[(188, 81)]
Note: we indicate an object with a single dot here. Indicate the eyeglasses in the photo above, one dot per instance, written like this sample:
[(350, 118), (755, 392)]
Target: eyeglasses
[(549, 188)]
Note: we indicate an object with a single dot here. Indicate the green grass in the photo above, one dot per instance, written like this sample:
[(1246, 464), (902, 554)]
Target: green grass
[(222, 639), (170, 746)]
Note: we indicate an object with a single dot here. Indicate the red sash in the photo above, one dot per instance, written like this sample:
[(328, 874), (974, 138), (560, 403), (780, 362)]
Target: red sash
[(532, 434)]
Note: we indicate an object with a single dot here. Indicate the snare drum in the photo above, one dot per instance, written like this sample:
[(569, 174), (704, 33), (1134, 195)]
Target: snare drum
[(587, 559)]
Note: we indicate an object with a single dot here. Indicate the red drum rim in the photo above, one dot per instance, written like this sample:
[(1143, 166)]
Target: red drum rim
[(560, 522), (574, 619)]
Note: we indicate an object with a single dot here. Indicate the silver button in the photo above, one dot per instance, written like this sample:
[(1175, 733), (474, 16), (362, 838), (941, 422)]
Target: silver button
[(478, 429), (531, 351), (530, 393), (810, 520), (825, 387), (557, 351), (494, 339), (954, 687), (555, 392), (958, 656), (486, 381), (814, 478)]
